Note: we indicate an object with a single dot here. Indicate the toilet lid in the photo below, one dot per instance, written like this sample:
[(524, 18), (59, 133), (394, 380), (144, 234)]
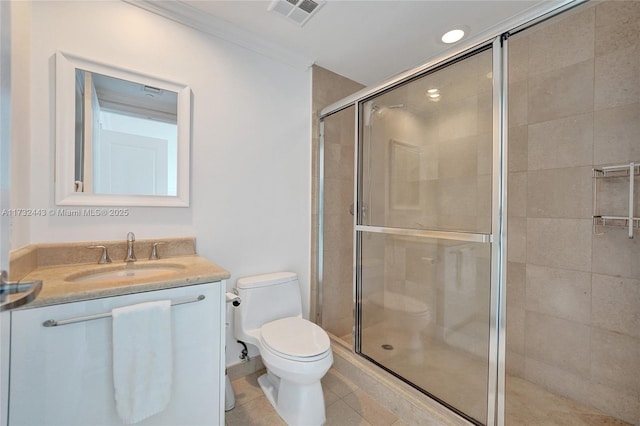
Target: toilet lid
[(295, 337)]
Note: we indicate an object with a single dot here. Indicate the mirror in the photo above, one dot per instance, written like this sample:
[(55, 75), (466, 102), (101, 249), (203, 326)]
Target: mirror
[(122, 138)]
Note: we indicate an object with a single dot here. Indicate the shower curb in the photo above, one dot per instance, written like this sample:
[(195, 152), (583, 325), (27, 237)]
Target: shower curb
[(408, 404)]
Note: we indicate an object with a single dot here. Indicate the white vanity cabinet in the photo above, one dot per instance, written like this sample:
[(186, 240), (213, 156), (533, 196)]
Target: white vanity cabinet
[(63, 375)]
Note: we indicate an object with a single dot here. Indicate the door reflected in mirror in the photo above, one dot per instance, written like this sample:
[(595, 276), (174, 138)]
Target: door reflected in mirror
[(126, 137)]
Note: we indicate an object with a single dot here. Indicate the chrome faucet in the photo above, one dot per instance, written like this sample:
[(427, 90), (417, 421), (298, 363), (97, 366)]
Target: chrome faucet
[(105, 254), (131, 257), (154, 250)]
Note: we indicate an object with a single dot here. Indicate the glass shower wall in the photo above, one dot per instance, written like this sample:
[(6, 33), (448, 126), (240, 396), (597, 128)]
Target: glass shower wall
[(336, 269), (424, 222)]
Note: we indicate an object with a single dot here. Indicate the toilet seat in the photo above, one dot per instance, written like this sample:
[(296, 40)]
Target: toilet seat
[(296, 339)]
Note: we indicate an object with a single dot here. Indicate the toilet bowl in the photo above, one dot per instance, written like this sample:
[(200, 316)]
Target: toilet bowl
[(296, 352)]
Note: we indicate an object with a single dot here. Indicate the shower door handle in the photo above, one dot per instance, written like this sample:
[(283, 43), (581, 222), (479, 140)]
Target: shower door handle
[(352, 209)]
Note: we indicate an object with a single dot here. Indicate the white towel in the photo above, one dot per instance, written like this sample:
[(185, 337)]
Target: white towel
[(142, 359)]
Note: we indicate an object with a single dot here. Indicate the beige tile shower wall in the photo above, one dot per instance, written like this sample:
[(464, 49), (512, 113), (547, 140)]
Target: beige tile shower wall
[(573, 297), (329, 87)]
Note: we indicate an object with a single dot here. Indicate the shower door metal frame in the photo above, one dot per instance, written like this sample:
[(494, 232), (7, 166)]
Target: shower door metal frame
[(320, 237), (497, 330)]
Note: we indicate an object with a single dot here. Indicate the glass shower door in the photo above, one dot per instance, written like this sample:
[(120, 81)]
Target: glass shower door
[(423, 232), (335, 275)]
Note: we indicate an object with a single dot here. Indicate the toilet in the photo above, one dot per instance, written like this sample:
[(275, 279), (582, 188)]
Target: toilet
[(296, 352)]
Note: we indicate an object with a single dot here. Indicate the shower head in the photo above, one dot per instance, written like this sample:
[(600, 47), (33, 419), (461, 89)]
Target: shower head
[(371, 108), (376, 107), (381, 110)]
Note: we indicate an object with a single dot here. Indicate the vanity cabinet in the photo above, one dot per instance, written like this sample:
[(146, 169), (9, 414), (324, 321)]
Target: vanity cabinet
[(62, 375)]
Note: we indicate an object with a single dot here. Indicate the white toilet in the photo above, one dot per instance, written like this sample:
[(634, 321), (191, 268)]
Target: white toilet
[(296, 352)]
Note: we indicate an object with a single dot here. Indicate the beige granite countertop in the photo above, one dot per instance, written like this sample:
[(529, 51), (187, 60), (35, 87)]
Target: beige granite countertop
[(58, 264), (57, 289)]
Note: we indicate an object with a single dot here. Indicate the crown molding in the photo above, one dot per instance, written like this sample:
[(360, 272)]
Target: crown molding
[(214, 26)]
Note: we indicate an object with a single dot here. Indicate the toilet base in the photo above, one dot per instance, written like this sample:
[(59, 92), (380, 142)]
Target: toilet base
[(297, 404)]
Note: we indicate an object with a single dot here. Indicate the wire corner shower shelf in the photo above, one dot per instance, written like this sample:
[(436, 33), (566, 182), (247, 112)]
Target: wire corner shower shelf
[(630, 221)]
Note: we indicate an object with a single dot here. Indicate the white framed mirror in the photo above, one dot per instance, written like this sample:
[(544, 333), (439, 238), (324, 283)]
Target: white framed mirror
[(122, 137)]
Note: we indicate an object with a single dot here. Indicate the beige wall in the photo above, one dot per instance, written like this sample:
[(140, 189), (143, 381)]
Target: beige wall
[(573, 305)]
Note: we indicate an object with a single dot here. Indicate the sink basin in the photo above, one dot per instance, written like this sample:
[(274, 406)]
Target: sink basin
[(123, 273)]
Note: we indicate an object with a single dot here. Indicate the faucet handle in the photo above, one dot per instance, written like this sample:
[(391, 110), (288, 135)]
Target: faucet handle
[(154, 250), (105, 254)]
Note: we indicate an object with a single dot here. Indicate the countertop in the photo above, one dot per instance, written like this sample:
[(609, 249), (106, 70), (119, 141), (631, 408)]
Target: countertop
[(192, 269)]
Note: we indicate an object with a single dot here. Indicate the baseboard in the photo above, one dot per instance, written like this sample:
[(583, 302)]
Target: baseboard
[(241, 369)]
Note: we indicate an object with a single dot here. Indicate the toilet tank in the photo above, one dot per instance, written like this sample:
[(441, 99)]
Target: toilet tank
[(266, 298)]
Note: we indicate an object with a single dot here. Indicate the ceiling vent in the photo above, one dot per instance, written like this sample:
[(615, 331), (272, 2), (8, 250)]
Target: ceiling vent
[(298, 11)]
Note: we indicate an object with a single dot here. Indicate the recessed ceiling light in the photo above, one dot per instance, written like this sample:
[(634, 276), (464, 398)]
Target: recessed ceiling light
[(452, 36), (430, 91)]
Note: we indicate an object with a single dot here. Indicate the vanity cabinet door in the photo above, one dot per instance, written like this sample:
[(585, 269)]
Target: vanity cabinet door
[(63, 375)]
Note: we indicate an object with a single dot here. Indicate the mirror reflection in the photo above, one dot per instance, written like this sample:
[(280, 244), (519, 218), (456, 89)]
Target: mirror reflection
[(126, 137)]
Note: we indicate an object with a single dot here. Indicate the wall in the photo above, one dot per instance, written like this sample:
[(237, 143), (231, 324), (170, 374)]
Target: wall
[(574, 296), (20, 112), (250, 153), (5, 152)]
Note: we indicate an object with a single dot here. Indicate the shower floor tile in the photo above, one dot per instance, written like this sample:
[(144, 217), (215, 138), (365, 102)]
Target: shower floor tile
[(529, 404)]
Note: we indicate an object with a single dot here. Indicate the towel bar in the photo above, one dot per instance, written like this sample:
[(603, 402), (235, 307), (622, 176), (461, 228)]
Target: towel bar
[(54, 323)]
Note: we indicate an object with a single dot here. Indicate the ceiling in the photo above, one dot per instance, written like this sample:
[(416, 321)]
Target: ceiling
[(365, 40), (135, 99)]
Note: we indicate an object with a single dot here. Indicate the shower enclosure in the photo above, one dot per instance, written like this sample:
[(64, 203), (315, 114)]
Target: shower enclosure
[(425, 239), (414, 271)]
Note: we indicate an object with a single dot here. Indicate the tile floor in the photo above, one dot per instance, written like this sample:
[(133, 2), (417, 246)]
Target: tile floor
[(347, 405)]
